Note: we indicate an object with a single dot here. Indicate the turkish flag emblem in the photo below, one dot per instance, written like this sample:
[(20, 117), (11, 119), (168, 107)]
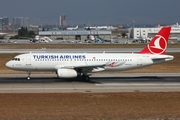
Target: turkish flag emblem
[(112, 64)]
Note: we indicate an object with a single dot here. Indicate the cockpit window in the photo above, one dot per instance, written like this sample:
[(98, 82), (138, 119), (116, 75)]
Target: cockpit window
[(16, 59)]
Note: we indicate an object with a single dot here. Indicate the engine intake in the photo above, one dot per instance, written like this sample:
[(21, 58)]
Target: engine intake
[(66, 73)]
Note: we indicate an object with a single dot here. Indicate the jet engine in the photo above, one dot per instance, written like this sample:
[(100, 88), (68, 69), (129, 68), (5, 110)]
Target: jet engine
[(66, 73)]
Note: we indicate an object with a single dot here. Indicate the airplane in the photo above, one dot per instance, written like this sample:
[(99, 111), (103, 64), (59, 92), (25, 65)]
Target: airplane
[(90, 39), (105, 28), (99, 40), (90, 28), (73, 65), (72, 28), (100, 28), (45, 40), (2, 35), (94, 39), (41, 39)]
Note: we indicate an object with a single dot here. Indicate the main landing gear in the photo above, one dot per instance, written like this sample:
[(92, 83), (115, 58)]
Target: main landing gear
[(85, 77), (82, 75)]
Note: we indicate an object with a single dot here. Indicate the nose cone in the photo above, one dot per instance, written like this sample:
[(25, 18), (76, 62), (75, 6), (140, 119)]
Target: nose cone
[(9, 65)]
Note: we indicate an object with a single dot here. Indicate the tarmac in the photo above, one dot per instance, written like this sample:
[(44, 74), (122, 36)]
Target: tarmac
[(99, 83)]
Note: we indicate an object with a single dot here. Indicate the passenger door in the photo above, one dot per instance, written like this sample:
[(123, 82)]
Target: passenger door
[(28, 60)]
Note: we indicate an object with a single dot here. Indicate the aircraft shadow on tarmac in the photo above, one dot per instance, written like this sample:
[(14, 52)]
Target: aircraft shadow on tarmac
[(94, 80), (139, 79)]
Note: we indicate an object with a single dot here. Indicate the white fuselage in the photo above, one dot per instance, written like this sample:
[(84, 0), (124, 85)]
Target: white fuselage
[(98, 61)]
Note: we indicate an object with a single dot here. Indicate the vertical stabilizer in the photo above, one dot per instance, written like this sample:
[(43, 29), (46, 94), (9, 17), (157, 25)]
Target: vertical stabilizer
[(159, 43)]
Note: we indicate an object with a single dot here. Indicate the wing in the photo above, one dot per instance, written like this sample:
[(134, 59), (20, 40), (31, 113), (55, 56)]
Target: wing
[(86, 68), (92, 68)]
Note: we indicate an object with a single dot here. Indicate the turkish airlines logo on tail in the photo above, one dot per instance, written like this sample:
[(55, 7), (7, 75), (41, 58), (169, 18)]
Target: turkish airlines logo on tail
[(158, 46)]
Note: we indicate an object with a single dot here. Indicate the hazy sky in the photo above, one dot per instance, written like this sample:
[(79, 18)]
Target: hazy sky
[(94, 11)]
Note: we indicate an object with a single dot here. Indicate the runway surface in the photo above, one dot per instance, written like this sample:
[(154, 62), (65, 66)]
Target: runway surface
[(124, 82)]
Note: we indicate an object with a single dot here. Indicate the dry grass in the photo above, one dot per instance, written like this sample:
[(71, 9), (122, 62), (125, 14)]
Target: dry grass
[(90, 106)]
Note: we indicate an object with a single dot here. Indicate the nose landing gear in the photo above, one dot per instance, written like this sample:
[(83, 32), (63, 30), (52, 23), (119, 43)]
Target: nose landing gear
[(28, 77)]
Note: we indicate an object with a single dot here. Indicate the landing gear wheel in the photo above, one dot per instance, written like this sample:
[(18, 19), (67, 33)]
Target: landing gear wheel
[(85, 77), (28, 78)]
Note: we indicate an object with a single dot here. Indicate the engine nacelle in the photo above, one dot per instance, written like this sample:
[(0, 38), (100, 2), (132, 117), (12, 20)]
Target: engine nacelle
[(66, 73)]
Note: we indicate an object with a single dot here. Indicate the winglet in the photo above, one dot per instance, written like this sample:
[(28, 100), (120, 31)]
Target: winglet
[(159, 43)]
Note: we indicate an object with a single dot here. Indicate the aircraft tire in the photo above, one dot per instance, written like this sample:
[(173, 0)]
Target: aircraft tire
[(85, 77), (28, 78)]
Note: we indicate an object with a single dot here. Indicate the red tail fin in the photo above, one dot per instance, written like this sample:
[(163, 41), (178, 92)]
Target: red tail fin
[(158, 44)]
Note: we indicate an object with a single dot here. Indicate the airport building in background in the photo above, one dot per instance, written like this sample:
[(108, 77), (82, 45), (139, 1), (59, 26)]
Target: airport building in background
[(75, 34), (147, 33), (18, 22)]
